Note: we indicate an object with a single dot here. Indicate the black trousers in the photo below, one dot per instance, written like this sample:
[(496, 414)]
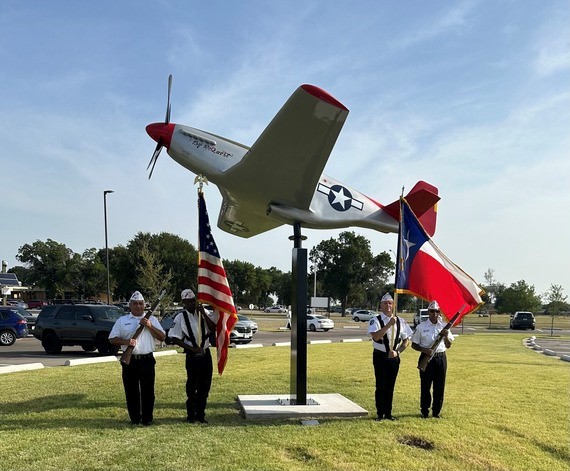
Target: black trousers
[(138, 381), (433, 376), (386, 371), (199, 380)]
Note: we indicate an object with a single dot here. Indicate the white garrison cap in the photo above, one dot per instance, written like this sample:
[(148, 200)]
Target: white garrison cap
[(187, 294), (137, 296), (386, 297), (433, 306)]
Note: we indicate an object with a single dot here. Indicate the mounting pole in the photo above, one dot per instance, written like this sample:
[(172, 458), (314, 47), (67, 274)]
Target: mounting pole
[(298, 379)]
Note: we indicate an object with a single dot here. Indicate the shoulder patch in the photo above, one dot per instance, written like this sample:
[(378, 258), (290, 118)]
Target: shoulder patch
[(371, 321)]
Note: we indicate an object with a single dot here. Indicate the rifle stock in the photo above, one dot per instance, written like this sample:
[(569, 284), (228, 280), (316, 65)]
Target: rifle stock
[(424, 358), (127, 353)]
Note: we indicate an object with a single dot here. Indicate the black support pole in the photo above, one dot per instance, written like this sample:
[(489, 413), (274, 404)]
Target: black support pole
[(298, 386)]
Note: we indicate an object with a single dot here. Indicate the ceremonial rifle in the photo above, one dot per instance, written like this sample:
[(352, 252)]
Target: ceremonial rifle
[(424, 358), (126, 356)]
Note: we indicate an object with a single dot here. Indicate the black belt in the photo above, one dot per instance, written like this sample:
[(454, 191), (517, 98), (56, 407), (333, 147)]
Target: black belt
[(439, 354), (142, 357)]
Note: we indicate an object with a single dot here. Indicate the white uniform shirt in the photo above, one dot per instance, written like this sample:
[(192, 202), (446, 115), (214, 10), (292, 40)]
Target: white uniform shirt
[(427, 333), (125, 327), (374, 326), (179, 329)]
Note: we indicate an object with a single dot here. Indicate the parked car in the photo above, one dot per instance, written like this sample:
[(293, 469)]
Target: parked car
[(87, 325), (241, 333), (12, 325), (316, 322), (337, 309), (37, 303), (17, 302), (349, 310), (30, 318), (522, 320), (420, 316), (248, 321), (363, 315), (276, 308)]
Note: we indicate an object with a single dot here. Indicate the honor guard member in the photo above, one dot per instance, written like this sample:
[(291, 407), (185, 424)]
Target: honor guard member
[(191, 331), (391, 335), (139, 374), (424, 337)]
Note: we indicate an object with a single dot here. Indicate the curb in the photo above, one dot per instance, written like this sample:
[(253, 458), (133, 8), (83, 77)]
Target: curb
[(24, 367), (87, 361)]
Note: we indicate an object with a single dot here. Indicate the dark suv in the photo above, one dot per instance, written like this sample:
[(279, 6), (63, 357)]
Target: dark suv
[(87, 325), (12, 325), (522, 320)]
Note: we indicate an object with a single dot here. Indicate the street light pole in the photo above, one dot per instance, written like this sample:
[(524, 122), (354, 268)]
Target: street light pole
[(315, 280), (107, 245)]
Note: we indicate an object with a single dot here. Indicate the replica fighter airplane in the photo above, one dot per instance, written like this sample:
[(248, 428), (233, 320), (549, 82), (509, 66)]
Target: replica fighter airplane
[(279, 179)]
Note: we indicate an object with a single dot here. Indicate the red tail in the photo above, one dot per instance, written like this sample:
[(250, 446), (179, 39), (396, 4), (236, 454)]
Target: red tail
[(423, 199)]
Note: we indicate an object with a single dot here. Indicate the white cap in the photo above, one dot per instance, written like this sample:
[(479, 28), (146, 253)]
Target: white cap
[(188, 294), (386, 297), (137, 296), (433, 306)]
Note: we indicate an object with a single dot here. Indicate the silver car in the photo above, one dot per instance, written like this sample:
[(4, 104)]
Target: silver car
[(363, 315), (247, 321)]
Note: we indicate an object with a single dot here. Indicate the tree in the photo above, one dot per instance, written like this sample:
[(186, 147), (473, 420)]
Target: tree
[(491, 287), (518, 297), (348, 270), (90, 275), (153, 277), (51, 265), (556, 301)]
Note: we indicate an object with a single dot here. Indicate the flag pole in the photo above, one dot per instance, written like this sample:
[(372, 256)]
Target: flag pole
[(398, 255)]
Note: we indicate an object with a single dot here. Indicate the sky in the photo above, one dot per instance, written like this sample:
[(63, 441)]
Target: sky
[(470, 96)]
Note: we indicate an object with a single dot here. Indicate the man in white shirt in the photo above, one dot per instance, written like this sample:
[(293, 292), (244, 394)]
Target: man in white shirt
[(191, 331), (391, 335), (427, 332), (139, 375)]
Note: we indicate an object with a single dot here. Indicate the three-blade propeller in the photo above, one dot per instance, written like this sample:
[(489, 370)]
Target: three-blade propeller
[(159, 144)]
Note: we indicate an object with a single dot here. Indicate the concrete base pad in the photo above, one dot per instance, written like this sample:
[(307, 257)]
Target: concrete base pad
[(275, 406)]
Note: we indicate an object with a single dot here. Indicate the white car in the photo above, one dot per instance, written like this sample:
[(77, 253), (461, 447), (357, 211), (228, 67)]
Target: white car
[(363, 315), (316, 322), (276, 308)]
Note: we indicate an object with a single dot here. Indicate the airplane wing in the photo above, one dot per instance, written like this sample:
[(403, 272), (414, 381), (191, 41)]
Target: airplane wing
[(285, 163)]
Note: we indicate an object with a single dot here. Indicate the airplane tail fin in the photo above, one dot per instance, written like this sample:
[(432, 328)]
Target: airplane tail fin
[(423, 199)]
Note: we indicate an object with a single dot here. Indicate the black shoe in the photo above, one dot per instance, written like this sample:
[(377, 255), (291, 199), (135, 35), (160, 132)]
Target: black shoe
[(424, 415), (202, 420), (436, 416), (390, 417), (378, 419), (147, 424), (191, 420), (134, 422)]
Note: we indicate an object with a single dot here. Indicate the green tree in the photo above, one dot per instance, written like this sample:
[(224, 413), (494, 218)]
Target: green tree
[(89, 277), (520, 296), (556, 300), (348, 270), (153, 276), (51, 265), (241, 278)]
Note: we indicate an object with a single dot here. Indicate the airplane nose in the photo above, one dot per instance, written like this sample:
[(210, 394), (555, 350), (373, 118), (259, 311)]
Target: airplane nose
[(162, 132)]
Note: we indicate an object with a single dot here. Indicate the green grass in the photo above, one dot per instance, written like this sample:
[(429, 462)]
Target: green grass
[(506, 408)]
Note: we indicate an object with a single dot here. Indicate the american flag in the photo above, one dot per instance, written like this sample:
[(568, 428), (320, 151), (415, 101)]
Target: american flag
[(213, 287)]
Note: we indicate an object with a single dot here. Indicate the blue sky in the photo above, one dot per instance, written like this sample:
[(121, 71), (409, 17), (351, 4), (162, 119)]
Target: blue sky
[(471, 96)]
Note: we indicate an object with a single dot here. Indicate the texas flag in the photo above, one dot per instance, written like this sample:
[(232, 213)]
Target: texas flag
[(424, 271)]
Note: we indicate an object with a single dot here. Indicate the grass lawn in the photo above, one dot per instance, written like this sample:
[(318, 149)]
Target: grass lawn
[(506, 408)]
